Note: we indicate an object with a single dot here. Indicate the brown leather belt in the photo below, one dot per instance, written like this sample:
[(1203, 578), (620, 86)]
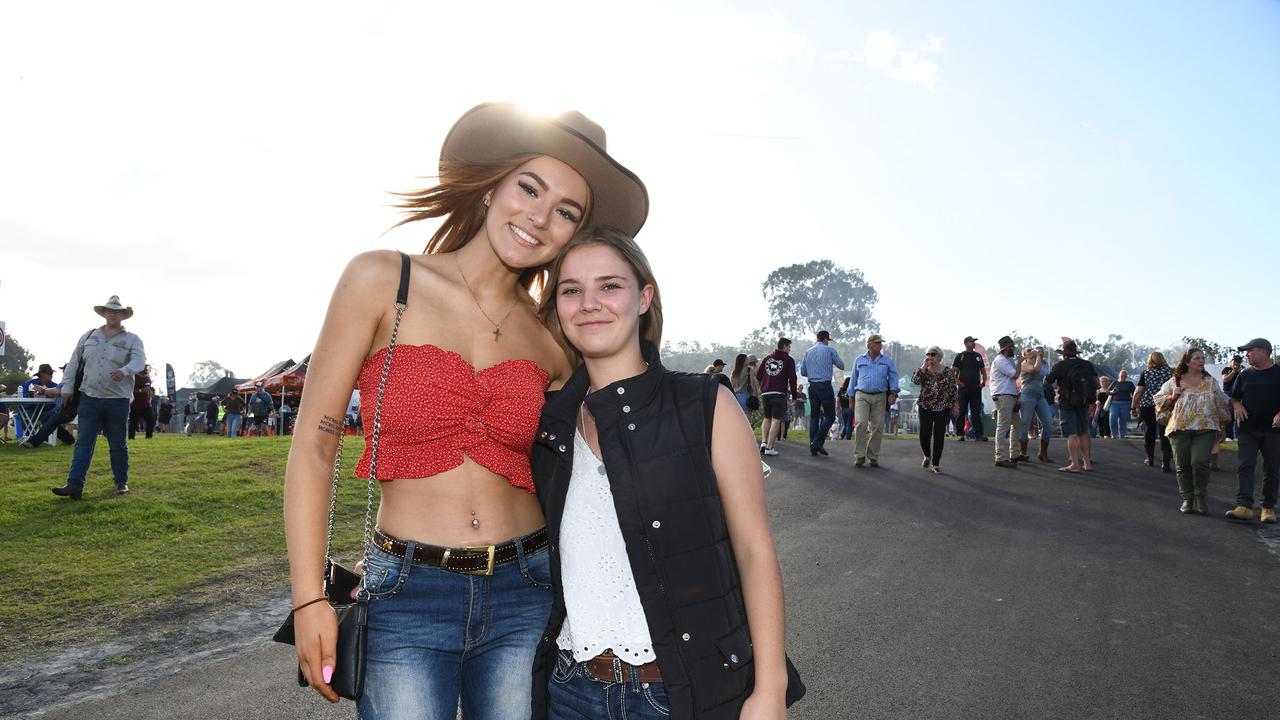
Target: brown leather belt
[(466, 560), (607, 667)]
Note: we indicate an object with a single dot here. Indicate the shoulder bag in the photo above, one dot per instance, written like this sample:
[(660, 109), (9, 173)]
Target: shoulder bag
[(348, 671), (1164, 412)]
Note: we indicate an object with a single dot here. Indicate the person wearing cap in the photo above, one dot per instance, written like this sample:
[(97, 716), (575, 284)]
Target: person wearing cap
[(777, 376), (454, 420), (744, 382), (875, 386), (816, 364), (936, 402), (1255, 404), (34, 388), (717, 367), (261, 405), (971, 373), (108, 357), (1004, 393), (1076, 383)]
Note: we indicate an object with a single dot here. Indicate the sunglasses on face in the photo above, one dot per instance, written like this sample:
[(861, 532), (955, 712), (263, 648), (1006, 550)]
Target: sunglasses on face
[(931, 354)]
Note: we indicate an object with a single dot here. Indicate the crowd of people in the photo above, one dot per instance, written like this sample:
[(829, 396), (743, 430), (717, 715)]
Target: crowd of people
[(1182, 409)]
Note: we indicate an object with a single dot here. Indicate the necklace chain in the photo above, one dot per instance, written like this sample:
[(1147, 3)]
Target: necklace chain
[(497, 326)]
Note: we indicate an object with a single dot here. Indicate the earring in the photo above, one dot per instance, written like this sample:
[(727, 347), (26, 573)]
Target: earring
[(487, 199)]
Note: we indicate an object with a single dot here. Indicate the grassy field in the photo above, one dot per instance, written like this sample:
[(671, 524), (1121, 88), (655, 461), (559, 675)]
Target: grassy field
[(202, 526)]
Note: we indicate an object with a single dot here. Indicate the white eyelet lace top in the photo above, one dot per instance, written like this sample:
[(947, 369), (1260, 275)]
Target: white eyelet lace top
[(600, 597)]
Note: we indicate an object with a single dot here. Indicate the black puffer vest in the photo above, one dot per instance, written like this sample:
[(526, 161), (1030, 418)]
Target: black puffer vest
[(655, 438)]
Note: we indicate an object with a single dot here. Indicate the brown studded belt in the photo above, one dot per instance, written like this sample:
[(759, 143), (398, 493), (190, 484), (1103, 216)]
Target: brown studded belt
[(607, 667), (479, 560)]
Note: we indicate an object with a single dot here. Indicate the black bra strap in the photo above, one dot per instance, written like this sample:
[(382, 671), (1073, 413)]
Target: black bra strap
[(402, 295)]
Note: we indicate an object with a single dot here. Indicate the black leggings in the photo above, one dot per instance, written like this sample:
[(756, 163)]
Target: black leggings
[(1150, 431), (933, 427)]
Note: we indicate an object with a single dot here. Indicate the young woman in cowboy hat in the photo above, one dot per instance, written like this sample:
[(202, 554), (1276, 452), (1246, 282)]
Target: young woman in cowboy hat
[(458, 574)]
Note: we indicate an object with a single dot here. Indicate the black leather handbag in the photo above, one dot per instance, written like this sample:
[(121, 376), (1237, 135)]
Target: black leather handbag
[(353, 615)]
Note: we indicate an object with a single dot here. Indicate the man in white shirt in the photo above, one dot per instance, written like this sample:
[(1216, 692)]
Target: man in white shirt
[(1004, 393), (110, 356)]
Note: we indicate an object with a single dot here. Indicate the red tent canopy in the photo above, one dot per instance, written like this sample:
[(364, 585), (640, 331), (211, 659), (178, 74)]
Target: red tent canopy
[(285, 378)]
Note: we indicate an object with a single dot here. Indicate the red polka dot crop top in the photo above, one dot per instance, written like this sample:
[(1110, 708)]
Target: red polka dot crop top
[(438, 408)]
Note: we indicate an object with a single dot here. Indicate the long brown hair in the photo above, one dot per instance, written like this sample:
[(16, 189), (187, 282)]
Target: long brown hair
[(1184, 363), (458, 197), (1156, 360), (626, 247)]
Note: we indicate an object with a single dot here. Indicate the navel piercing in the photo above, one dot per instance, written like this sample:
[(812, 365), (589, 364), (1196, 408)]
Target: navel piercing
[(475, 522)]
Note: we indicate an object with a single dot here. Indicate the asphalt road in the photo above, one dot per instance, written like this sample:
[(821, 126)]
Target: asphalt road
[(980, 593)]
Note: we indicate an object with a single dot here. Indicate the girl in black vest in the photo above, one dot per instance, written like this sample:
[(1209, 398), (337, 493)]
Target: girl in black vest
[(668, 592)]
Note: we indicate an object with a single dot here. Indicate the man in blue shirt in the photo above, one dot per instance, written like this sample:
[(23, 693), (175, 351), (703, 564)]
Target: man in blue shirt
[(816, 365), (875, 385)]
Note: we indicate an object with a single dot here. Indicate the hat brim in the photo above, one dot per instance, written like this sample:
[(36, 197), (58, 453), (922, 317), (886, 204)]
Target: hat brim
[(102, 310), (494, 132)]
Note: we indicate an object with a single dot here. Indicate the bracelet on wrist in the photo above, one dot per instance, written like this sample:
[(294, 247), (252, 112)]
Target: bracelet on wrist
[(322, 598)]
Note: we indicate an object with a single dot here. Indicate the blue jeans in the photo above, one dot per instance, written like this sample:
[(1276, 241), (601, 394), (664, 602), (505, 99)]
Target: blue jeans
[(111, 417), (970, 400), (742, 401), (440, 639), (822, 412), (576, 695), (1120, 417), (846, 423), (1034, 404), (233, 424)]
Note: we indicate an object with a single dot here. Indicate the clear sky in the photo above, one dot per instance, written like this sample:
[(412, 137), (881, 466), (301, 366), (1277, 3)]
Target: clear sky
[(1052, 168)]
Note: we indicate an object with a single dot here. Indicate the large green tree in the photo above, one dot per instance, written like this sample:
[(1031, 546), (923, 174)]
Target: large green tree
[(819, 295)]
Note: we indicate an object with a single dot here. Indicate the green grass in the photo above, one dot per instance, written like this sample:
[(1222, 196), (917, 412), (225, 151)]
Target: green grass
[(201, 526)]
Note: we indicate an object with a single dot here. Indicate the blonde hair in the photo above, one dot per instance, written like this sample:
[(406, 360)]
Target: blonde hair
[(1156, 359), (458, 197), (626, 247)]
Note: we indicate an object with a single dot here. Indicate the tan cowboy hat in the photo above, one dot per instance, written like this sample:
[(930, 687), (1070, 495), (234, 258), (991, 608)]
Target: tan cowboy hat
[(113, 303), (494, 132)]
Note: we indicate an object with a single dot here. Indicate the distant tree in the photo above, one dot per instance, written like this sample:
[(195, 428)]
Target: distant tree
[(1213, 352), (819, 295), (16, 359), (15, 364), (207, 372), (693, 356)]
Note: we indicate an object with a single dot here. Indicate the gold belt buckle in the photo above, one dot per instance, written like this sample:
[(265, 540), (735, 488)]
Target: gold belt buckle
[(488, 568)]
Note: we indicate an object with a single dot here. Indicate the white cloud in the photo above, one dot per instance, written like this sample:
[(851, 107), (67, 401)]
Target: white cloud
[(882, 52)]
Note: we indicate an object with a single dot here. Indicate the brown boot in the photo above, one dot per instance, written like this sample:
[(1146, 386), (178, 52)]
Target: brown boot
[(1022, 451), (1043, 456)]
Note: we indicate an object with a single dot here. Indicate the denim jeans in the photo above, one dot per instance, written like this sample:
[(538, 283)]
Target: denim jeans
[(846, 422), (970, 399), (233, 424), (822, 412), (742, 401), (576, 695), (1034, 404), (1252, 443), (1120, 418), (440, 640), (110, 416)]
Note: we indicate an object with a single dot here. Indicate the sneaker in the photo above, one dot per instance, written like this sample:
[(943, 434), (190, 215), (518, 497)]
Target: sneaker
[(769, 451), (1268, 515), (813, 451), (27, 444), (924, 463), (1006, 464), (68, 491), (1239, 512), (934, 469), (960, 439), (122, 489), (762, 447)]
